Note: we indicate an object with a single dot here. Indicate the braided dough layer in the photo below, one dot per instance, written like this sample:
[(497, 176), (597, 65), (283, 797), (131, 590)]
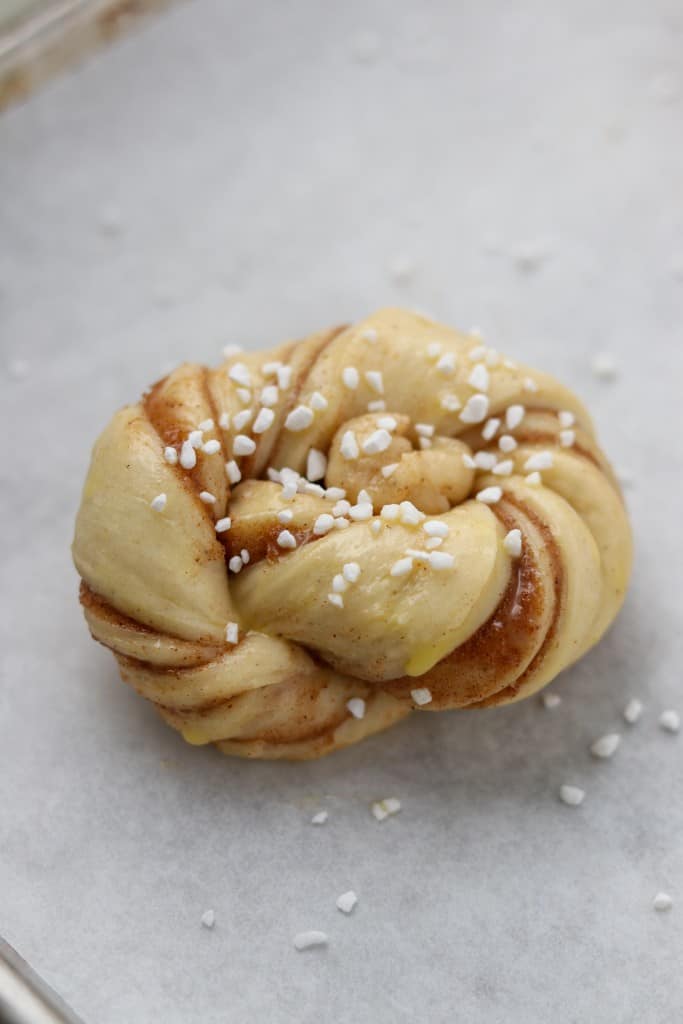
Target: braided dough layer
[(485, 626)]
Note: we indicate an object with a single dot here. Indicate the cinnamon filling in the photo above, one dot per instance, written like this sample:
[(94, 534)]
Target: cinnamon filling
[(96, 604), (542, 437), (263, 543), (558, 585), (302, 722), (495, 653)]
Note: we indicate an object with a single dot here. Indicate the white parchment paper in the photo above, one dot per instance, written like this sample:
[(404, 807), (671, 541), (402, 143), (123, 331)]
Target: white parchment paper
[(249, 172)]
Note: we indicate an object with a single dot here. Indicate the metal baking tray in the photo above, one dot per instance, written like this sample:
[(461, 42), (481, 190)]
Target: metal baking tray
[(39, 38)]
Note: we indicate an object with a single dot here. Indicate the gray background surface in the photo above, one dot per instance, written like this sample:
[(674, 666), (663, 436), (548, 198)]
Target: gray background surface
[(236, 173)]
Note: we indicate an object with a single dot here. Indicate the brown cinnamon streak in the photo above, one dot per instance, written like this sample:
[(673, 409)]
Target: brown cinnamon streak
[(263, 544), (494, 656), (558, 582)]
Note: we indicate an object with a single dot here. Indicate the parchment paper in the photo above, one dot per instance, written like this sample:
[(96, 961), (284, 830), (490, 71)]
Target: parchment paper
[(250, 172)]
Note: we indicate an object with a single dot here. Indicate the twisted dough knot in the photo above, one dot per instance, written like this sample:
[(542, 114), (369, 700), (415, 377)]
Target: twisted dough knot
[(460, 538)]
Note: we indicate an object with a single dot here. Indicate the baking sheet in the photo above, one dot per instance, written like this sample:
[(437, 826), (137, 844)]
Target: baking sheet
[(249, 173)]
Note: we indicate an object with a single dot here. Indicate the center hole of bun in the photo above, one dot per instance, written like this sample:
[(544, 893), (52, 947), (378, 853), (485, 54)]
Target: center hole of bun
[(394, 460)]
